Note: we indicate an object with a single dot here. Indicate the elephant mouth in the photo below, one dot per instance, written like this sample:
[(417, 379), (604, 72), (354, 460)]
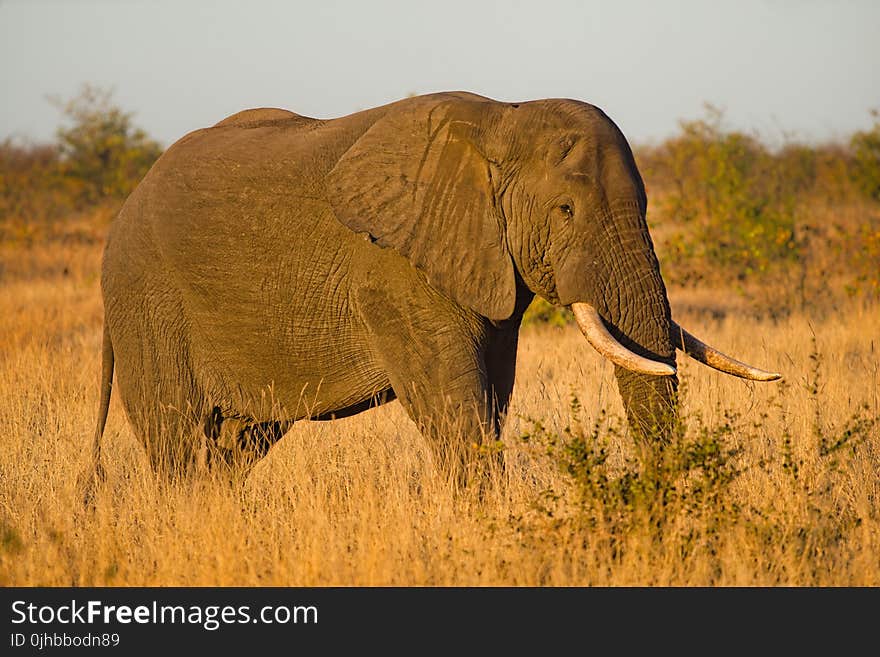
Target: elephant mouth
[(596, 333)]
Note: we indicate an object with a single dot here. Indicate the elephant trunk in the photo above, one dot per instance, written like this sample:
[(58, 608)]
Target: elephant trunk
[(630, 298), (641, 321)]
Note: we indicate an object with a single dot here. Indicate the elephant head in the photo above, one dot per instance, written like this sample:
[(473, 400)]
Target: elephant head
[(486, 197)]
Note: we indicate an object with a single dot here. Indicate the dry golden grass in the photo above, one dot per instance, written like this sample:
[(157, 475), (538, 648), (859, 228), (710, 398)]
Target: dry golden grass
[(359, 502)]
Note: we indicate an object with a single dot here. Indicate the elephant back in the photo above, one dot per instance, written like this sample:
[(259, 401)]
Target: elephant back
[(254, 118)]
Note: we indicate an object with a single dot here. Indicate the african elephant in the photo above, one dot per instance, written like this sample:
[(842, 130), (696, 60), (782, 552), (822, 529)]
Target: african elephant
[(275, 267)]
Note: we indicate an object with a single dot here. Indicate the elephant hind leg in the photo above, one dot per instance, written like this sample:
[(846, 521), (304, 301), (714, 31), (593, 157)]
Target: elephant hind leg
[(165, 410), (171, 438), (234, 442)]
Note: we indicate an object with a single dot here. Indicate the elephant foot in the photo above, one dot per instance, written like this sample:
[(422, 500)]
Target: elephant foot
[(470, 457)]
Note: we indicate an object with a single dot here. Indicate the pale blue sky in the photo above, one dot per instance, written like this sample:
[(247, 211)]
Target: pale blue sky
[(810, 68)]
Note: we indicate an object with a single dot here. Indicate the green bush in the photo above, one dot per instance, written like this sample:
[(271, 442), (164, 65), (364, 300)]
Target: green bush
[(30, 185), (736, 199), (101, 150), (543, 312), (866, 153), (97, 161)]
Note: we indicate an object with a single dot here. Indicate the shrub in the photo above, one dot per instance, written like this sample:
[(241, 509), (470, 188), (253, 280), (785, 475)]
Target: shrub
[(543, 312), (735, 197), (30, 185), (101, 150), (98, 160), (866, 153)]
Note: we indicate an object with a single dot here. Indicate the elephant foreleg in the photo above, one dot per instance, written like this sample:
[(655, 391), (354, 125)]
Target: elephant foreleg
[(441, 363), (437, 371), (456, 421)]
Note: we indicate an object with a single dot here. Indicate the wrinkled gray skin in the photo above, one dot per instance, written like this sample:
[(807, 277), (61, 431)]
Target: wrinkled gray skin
[(274, 267)]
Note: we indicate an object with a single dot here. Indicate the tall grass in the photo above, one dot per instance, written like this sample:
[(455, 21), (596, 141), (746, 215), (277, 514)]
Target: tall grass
[(765, 484)]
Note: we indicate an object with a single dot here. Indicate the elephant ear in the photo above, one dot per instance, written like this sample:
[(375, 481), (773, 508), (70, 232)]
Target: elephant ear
[(417, 182)]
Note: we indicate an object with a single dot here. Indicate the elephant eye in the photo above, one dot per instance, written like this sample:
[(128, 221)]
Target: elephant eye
[(567, 210)]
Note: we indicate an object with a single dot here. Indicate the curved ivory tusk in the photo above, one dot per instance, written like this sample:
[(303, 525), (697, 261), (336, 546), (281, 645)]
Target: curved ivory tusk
[(602, 341), (699, 350)]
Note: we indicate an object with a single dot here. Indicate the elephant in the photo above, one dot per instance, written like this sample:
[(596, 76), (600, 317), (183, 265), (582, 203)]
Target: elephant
[(275, 268)]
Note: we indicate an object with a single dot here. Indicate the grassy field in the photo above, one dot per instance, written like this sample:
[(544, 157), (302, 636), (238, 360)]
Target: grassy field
[(769, 484)]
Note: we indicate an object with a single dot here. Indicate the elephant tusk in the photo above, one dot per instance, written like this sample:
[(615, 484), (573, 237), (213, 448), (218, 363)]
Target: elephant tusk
[(601, 340), (700, 351)]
